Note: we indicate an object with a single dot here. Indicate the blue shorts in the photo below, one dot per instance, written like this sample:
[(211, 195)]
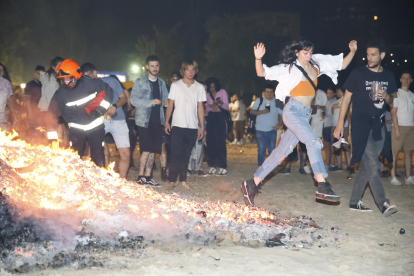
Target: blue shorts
[(120, 132), (326, 134)]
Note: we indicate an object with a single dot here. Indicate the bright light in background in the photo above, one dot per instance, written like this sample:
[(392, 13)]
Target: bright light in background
[(405, 60), (392, 60), (143, 68), (23, 85), (363, 58), (135, 68), (375, 17), (391, 54)]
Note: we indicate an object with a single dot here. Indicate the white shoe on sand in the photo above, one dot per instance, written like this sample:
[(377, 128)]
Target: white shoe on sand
[(409, 180), (395, 182)]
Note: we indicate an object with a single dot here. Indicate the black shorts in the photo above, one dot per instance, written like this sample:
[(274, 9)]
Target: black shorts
[(151, 138), (326, 133)]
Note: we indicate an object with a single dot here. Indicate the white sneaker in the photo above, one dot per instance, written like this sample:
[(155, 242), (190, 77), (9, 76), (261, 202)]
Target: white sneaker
[(395, 181), (409, 180), (212, 171), (221, 172), (307, 169), (234, 142)]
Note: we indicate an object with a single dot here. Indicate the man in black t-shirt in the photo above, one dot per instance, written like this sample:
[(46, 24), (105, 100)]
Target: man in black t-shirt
[(148, 94), (368, 125)]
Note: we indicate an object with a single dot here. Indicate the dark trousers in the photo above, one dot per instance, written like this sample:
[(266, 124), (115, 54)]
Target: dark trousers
[(238, 130), (95, 137), (369, 172), (216, 150), (133, 134), (182, 142)]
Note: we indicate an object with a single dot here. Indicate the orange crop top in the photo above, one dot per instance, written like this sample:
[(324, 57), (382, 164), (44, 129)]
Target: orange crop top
[(305, 88)]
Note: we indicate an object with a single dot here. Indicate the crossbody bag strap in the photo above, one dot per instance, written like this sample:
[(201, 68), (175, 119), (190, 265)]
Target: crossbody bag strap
[(261, 101), (219, 107), (306, 76)]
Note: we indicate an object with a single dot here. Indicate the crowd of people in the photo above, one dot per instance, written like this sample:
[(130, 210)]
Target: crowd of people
[(190, 122)]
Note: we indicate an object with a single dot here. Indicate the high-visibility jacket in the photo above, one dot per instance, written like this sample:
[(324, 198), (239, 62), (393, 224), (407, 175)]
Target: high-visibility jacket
[(76, 104)]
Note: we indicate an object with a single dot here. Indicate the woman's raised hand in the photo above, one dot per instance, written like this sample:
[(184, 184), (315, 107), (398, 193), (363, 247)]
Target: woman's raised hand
[(259, 50), (353, 45)]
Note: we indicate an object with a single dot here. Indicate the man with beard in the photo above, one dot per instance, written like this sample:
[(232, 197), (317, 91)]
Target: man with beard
[(82, 102), (147, 95), (368, 125)]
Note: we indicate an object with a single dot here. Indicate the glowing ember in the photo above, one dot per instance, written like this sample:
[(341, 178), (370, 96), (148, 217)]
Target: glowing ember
[(59, 180)]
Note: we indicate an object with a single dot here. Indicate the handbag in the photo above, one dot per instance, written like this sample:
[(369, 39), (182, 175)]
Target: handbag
[(226, 114)]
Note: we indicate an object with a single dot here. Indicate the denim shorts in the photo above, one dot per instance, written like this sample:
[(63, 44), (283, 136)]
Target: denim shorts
[(120, 132)]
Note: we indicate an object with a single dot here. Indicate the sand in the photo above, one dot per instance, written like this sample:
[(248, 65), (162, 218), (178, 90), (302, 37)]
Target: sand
[(365, 244)]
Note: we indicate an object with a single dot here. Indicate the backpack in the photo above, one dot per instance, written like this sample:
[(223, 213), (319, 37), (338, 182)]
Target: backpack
[(251, 122)]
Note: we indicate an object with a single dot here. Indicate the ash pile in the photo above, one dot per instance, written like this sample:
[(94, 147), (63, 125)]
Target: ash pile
[(59, 201)]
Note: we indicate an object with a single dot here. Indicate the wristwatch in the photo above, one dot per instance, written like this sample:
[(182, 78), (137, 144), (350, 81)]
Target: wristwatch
[(115, 105)]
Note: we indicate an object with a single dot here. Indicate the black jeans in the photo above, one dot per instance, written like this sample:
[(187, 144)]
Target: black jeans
[(182, 142), (369, 172), (95, 137), (216, 150), (133, 134)]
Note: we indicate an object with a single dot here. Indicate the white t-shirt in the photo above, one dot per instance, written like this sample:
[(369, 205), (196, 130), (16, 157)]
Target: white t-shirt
[(186, 100), (405, 104), (238, 115), (327, 122), (317, 121), (5, 93), (336, 114)]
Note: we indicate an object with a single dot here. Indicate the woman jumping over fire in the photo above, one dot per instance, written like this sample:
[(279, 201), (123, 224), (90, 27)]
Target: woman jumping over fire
[(297, 74)]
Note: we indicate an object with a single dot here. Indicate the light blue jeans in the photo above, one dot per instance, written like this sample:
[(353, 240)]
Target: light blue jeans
[(296, 117)]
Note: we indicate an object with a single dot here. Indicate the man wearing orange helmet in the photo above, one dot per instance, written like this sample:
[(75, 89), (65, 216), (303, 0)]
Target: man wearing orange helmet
[(81, 102)]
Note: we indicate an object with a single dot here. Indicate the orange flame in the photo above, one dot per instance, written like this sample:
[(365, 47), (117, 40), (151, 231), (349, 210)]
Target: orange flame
[(61, 180)]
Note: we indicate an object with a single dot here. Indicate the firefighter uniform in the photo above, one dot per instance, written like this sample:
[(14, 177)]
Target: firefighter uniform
[(82, 107)]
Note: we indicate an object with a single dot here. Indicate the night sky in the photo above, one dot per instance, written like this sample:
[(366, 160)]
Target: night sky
[(104, 32)]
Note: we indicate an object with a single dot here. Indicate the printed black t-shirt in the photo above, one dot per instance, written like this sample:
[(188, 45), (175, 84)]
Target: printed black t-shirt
[(155, 110), (359, 84)]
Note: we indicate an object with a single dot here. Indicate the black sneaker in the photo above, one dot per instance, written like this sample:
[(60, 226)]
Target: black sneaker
[(285, 171), (385, 174), (325, 192), (249, 190), (335, 169), (302, 171), (152, 183), (142, 180), (201, 173), (388, 209), (359, 207)]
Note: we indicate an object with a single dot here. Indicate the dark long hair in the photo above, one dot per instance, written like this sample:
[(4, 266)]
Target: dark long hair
[(115, 77), (216, 82), (288, 55), (6, 73), (53, 63)]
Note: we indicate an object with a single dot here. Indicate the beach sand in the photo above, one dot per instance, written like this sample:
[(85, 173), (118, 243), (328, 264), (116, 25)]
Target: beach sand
[(365, 244)]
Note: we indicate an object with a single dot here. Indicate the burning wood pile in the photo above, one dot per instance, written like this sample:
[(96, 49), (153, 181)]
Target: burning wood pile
[(50, 196)]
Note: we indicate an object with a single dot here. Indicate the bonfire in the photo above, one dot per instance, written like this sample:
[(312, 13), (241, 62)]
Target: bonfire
[(55, 184)]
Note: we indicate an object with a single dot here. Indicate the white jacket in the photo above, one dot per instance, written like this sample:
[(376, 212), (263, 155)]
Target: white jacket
[(328, 65)]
